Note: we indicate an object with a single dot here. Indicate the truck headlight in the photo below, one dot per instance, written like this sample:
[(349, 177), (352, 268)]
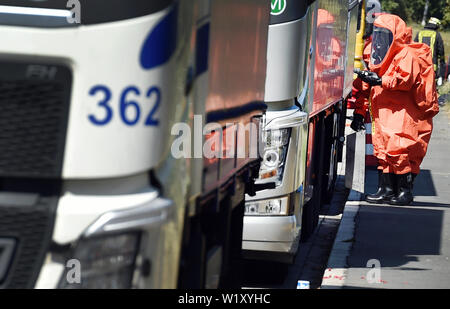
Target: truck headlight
[(275, 150), (272, 207), (105, 262)]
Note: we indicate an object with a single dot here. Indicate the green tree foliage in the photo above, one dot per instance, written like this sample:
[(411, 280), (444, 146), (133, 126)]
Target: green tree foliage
[(446, 17), (412, 10), (397, 7)]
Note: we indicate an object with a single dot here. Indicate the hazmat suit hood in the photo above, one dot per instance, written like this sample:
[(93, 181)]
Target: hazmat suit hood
[(389, 37), (403, 106)]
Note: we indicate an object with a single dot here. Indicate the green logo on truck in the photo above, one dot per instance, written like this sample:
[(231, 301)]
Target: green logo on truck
[(278, 7)]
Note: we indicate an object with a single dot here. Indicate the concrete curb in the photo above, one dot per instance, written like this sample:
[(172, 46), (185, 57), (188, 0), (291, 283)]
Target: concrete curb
[(336, 271)]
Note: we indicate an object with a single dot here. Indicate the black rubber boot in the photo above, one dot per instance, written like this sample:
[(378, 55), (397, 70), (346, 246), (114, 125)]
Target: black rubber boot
[(386, 189), (404, 196)]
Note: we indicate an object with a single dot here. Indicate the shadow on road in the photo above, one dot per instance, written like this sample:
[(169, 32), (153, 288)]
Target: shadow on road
[(264, 274), (429, 204), (394, 235), (424, 185)]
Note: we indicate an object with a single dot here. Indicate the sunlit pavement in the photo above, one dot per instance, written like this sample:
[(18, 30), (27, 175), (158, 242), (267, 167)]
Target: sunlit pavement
[(411, 245)]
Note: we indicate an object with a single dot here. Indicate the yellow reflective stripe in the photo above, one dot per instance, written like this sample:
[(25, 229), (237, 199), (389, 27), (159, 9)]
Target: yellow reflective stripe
[(428, 34)]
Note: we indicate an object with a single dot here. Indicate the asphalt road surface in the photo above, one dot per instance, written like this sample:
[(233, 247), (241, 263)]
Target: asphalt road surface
[(412, 244)]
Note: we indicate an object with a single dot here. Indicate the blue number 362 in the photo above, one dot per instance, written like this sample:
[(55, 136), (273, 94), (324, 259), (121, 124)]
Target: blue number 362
[(129, 110)]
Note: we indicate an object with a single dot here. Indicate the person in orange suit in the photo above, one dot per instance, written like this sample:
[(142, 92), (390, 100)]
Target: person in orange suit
[(361, 90), (361, 93), (403, 101)]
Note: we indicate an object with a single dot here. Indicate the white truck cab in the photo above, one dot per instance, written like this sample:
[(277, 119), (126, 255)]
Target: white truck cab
[(85, 111), (91, 194), (273, 217)]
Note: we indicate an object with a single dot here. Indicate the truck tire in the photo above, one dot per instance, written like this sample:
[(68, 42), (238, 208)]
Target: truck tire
[(311, 210), (232, 265), (193, 262), (307, 222), (331, 156)]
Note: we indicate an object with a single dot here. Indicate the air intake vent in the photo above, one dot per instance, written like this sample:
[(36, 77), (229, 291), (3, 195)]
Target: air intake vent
[(34, 105), (27, 216)]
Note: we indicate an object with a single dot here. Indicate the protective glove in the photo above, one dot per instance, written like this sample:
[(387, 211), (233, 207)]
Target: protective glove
[(369, 77), (357, 123)]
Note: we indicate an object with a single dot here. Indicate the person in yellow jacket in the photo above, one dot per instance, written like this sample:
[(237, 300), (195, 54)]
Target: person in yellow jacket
[(430, 35)]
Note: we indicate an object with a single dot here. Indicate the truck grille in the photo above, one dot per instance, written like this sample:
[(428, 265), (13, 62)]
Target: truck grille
[(27, 215), (34, 105)]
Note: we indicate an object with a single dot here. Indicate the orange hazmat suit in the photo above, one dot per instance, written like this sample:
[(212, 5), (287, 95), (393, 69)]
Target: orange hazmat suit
[(403, 106)]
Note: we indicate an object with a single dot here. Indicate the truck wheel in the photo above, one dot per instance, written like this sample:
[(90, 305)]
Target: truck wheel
[(310, 218), (331, 156), (311, 210), (307, 222), (232, 266), (331, 176), (192, 268)]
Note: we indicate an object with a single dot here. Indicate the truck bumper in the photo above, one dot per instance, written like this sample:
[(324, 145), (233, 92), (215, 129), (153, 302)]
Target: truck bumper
[(82, 217), (277, 233), (270, 234)]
